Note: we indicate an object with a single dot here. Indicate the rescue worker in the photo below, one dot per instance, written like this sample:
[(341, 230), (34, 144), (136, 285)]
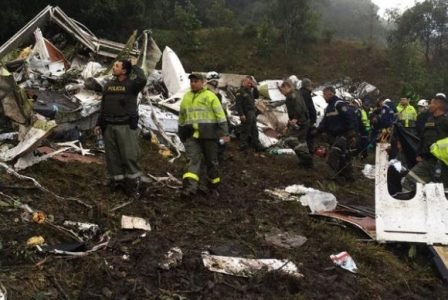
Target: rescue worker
[(422, 116), (212, 85), (245, 106), (298, 124), (382, 117), (339, 123), (363, 127), (422, 106), (407, 115), (118, 122), (391, 105), (202, 122), (435, 129), (305, 91)]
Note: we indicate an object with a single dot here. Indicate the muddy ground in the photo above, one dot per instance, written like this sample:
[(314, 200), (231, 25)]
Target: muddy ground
[(232, 224)]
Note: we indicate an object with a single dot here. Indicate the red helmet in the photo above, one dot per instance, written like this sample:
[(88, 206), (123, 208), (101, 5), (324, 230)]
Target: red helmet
[(320, 151)]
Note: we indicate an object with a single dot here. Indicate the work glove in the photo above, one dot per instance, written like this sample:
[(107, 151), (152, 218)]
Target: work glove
[(133, 122), (185, 132)]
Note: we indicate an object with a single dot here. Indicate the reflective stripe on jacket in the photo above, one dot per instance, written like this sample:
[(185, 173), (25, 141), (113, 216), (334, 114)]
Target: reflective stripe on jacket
[(365, 120), (407, 115)]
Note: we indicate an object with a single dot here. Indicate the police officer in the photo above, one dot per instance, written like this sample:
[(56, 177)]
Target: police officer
[(202, 122), (382, 117), (245, 106), (423, 115), (298, 124), (436, 128), (305, 91), (118, 122), (339, 123)]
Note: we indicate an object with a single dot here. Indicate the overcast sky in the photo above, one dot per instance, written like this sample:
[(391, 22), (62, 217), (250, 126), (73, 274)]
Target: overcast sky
[(400, 4)]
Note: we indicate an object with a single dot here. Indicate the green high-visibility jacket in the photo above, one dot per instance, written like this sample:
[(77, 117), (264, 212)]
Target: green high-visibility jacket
[(203, 111)]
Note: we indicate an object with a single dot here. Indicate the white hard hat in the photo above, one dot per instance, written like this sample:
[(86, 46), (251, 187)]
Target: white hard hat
[(441, 95), (212, 75), (423, 103), (387, 101)]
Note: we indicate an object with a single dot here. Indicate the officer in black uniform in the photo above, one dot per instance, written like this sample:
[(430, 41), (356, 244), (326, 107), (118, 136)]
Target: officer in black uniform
[(118, 122), (435, 128), (305, 91), (245, 106), (339, 123)]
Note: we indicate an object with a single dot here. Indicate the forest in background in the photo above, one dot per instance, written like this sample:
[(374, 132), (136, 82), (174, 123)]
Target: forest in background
[(407, 52)]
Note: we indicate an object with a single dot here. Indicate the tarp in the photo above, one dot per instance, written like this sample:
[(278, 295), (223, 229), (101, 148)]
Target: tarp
[(409, 144)]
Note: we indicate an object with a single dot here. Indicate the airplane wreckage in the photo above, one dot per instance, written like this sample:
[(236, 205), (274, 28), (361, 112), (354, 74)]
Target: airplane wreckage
[(52, 90)]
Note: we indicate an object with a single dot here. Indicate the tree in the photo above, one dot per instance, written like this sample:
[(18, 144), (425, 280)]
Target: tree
[(294, 19), (186, 23), (218, 15), (351, 19), (419, 46), (427, 23)]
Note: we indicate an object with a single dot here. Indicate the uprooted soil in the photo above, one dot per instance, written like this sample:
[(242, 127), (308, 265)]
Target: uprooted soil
[(232, 224)]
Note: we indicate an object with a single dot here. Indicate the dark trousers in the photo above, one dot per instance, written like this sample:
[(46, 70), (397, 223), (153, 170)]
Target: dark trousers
[(249, 132), (296, 139), (340, 156), (202, 163), (122, 152), (310, 139)]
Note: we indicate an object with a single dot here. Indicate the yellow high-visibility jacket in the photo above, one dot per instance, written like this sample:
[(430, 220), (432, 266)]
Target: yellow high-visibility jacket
[(407, 115), (203, 111), (440, 150)]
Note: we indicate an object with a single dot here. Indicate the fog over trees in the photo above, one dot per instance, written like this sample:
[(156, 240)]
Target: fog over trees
[(416, 40)]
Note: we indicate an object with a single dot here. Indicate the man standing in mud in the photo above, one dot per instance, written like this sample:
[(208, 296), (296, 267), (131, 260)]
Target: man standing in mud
[(298, 124), (118, 122), (339, 123), (305, 91), (202, 122), (245, 106)]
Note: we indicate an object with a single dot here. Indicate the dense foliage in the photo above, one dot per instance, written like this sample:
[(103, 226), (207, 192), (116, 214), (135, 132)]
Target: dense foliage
[(297, 21), (417, 49)]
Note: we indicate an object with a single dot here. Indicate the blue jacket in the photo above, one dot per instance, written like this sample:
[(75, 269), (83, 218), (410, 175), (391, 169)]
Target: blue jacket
[(339, 118), (387, 116)]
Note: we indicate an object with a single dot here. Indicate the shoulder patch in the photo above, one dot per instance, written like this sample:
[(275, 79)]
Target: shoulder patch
[(344, 108)]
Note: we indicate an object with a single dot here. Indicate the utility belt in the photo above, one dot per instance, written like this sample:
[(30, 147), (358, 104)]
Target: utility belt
[(116, 120)]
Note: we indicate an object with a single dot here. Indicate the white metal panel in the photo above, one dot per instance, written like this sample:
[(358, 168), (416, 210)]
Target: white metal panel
[(173, 73), (422, 219)]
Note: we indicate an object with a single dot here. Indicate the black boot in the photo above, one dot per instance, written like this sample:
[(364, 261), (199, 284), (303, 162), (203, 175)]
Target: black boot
[(189, 187), (115, 185), (133, 188)]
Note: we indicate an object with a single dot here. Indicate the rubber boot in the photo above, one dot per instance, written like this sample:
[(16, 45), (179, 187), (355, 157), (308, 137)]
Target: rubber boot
[(115, 185), (133, 188), (189, 187)]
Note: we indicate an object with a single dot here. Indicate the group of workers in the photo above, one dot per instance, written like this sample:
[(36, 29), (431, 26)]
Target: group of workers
[(203, 128)]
